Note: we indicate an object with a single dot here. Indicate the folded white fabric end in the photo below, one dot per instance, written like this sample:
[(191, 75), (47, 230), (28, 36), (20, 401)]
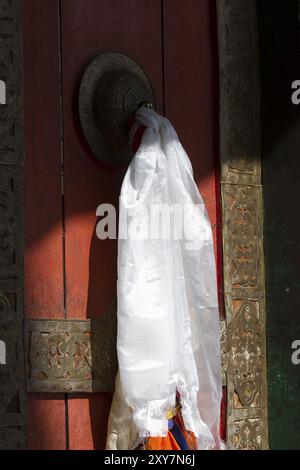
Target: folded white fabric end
[(150, 417), (150, 427)]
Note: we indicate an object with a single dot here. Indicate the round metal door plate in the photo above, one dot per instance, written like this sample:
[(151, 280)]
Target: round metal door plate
[(112, 89)]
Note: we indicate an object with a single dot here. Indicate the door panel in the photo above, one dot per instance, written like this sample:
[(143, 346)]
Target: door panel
[(133, 28), (69, 272), (44, 285)]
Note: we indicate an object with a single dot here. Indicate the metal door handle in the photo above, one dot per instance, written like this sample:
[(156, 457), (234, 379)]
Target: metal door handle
[(112, 89)]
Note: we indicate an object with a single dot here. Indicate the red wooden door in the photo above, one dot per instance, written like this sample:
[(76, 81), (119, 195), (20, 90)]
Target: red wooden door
[(69, 273)]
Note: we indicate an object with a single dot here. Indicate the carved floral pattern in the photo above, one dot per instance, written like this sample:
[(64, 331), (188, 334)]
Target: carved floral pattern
[(240, 206), (247, 434), (72, 356), (245, 353)]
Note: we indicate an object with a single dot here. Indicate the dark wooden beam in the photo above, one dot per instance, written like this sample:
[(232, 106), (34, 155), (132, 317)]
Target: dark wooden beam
[(12, 376)]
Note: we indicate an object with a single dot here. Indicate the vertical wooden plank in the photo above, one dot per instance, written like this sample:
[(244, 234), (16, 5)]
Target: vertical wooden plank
[(190, 85), (44, 287), (89, 27)]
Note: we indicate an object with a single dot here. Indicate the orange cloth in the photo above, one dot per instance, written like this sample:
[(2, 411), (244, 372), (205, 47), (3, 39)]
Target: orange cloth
[(162, 443)]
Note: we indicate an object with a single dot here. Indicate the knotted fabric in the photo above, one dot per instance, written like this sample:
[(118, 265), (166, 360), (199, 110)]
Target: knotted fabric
[(168, 320)]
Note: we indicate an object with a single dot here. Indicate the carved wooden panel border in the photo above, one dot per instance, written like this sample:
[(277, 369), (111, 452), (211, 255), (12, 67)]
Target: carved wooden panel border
[(72, 356), (12, 376), (243, 261)]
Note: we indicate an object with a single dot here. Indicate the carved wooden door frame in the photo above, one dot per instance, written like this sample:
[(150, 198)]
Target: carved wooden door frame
[(244, 333), (12, 376), (243, 340)]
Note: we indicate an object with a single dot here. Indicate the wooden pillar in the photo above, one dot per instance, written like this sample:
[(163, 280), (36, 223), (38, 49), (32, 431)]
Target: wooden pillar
[(243, 260)]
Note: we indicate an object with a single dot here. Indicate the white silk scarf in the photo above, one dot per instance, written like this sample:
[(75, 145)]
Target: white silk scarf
[(168, 318)]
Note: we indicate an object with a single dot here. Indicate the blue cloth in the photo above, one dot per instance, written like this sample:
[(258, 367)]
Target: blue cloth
[(177, 434)]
